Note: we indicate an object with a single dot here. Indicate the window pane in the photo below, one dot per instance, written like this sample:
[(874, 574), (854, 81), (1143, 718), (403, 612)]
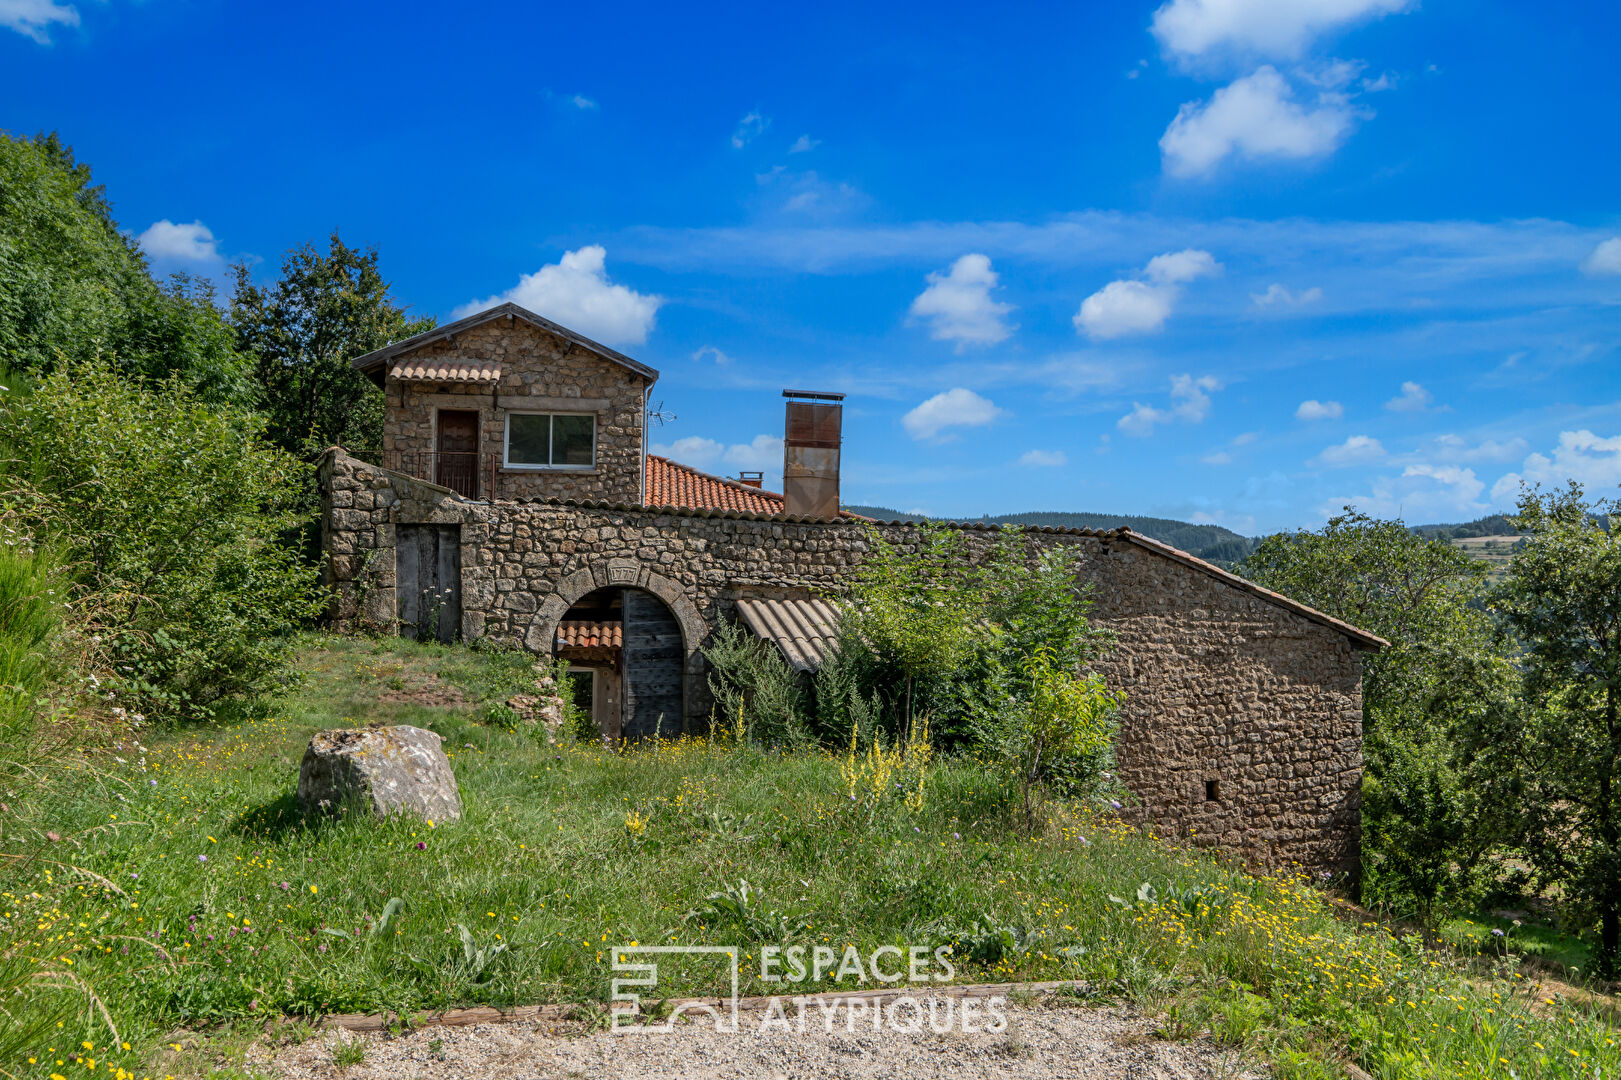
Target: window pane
[(527, 439), (572, 438)]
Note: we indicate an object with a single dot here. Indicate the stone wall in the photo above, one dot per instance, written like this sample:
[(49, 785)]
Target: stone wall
[(1223, 681), (540, 372)]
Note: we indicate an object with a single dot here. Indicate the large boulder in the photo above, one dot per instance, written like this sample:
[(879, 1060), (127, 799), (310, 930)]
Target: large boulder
[(388, 770)]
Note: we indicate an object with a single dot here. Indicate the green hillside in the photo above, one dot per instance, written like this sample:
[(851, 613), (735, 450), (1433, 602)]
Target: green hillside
[(1210, 542)]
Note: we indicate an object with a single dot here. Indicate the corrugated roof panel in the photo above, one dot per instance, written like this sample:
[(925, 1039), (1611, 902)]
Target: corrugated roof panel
[(807, 631)]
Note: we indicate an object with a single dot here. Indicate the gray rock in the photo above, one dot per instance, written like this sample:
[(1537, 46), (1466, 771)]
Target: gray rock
[(389, 770)]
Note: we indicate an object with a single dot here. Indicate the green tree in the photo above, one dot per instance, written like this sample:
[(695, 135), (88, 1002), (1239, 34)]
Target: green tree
[(1562, 600), (73, 286), (173, 514), (303, 330), (1425, 697)]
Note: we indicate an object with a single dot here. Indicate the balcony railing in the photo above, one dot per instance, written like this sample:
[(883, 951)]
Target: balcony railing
[(468, 474)]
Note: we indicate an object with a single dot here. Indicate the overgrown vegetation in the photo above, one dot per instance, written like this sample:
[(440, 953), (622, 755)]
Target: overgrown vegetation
[(207, 904)]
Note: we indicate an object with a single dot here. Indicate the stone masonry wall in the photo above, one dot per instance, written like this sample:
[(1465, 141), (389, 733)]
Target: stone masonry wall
[(540, 372), (1221, 682)]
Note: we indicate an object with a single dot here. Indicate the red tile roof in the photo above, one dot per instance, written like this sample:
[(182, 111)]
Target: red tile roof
[(670, 483), (590, 635)]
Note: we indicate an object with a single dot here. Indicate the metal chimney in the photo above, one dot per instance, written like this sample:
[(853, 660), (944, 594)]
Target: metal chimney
[(810, 465)]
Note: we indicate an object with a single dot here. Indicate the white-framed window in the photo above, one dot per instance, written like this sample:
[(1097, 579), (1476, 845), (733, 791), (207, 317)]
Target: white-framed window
[(550, 440)]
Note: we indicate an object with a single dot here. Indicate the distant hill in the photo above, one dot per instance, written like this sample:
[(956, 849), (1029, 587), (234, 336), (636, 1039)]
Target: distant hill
[(1212, 543), (1491, 525)]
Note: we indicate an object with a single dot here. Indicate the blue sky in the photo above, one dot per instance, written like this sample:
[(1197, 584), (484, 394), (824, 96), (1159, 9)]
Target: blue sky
[(1240, 261)]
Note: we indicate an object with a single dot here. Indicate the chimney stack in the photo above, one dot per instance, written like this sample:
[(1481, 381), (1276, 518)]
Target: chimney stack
[(810, 466), (751, 479)]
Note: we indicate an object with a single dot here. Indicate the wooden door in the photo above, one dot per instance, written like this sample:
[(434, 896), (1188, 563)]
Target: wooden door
[(428, 581), (456, 463), (654, 664)]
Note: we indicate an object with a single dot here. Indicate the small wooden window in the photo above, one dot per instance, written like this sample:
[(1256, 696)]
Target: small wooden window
[(1212, 791)]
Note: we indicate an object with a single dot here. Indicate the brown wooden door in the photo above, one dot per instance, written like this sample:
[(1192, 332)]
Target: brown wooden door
[(456, 463)]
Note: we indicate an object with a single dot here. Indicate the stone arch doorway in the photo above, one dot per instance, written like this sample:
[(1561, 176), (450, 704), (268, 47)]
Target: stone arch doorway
[(627, 655)]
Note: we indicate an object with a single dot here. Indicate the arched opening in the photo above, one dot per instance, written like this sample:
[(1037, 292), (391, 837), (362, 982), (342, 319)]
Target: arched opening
[(627, 659)]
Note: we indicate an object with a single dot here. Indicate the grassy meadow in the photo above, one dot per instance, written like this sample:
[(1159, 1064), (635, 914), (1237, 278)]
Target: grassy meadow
[(171, 876)]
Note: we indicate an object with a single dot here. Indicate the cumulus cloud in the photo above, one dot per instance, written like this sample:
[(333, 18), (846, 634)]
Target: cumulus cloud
[(184, 243), (957, 407), (34, 18), (709, 352), (1357, 450), (1604, 259), (575, 291), (1413, 398), (1282, 29), (1190, 403), (1043, 459), (1254, 118), (748, 128), (1455, 448), (958, 307), (763, 453), (1141, 307), (1421, 493), (1312, 409), (1277, 296), (804, 145), (1591, 460)]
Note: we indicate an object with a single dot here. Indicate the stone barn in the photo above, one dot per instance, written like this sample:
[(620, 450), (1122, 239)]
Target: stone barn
[(516, 502)]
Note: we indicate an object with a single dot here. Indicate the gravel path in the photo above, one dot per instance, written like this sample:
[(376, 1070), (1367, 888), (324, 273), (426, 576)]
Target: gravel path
[(1039, 1042)]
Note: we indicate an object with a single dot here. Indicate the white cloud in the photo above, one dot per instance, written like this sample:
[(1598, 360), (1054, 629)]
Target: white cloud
[(1278, 296), (1357, 450), (1190, 402), (748, 128), (1604, 259), (1281, 29), (34, 18), (1413, 398), (804, 144), (1141, 307), (580, 101), (1043, 459), (186, 243), (1255, 117), (1217, 457), (1180, 267), (959, 307), (1589, 459), (709, 352), (1455, 448), (1421, 493), (808, 193), (1244, 438), (957, 407), (762, 453), (1312, 409), (576, 292)]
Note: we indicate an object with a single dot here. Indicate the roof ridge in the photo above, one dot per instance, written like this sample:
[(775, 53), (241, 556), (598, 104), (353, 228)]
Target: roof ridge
[(479, 318), (758, 491)]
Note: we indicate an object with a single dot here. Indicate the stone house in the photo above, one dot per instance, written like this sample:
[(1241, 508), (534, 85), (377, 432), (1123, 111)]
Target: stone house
[(517, 503)]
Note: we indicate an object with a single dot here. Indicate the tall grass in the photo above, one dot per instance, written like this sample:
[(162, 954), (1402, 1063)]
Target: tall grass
[(31, 607)]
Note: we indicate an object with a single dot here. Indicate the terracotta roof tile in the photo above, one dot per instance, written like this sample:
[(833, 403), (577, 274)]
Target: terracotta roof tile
[(669, 483), (448, 369), (590, 635)]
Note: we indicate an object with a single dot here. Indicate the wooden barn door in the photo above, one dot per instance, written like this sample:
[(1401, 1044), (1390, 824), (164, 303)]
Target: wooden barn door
[(428, 581), (654, 660)]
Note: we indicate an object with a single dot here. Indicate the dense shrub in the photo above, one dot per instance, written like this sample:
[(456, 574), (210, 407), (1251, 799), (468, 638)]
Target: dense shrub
[(171, 513), (31, 608)]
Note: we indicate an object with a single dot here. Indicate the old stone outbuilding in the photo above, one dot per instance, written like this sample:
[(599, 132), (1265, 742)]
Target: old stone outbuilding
[(516, 502)]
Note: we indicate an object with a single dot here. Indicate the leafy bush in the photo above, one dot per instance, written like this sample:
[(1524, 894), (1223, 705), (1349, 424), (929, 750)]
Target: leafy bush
[(171, 513), (753, 682)]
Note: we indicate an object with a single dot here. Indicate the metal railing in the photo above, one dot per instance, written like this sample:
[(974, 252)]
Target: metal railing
[(469, 474)]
